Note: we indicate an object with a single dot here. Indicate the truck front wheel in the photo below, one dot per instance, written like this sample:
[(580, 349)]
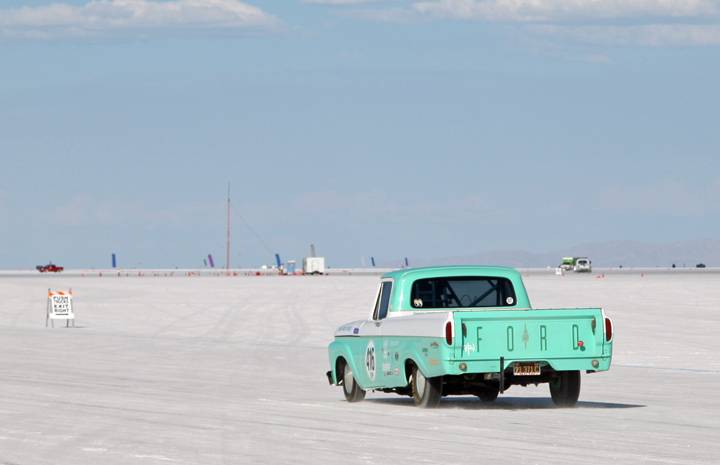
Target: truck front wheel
[(426, 392), (565, 388), (353, 392)]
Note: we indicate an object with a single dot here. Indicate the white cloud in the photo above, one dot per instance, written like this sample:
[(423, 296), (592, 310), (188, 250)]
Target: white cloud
[(84, 210), (99, 16), (4, 209), (649, 35), (608, 22), (555, 10), (389, 15), (339, 2), (665, 197)]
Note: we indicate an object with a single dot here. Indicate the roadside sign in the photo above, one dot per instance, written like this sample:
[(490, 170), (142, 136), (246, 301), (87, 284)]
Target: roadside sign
[(59, 307)]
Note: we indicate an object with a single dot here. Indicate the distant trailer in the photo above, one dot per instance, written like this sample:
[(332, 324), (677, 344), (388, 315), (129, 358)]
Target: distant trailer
[(314, 265)]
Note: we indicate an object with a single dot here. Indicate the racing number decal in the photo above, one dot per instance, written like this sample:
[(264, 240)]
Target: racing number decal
[(370, 360)]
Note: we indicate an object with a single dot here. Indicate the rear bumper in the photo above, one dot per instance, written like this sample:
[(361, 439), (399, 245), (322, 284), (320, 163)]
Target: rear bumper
[(558, 364)]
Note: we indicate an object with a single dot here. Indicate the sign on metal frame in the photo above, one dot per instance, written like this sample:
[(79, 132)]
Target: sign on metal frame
[(60, 307)]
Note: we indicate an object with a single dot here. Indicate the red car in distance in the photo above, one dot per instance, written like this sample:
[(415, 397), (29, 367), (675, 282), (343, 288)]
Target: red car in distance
[(49, 268)]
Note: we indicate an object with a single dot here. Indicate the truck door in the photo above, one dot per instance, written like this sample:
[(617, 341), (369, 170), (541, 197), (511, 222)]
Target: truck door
[(375, 354)]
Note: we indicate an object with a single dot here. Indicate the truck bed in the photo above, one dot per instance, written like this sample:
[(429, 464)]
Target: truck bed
[(562, 338)]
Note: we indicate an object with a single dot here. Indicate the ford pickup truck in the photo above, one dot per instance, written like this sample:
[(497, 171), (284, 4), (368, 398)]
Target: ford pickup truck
[(466, 330)]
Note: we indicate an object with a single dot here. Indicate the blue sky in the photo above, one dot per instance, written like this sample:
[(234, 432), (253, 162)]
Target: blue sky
[(385, 128)]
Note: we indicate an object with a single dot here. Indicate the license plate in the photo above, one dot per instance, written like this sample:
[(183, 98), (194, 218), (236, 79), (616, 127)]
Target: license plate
[(526, 369)]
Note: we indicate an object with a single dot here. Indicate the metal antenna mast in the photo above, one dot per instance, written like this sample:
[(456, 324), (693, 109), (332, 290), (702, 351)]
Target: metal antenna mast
[(227, 246)]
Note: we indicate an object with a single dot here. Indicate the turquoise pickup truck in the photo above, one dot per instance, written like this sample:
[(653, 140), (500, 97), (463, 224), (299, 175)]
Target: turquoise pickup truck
[(466, 330)]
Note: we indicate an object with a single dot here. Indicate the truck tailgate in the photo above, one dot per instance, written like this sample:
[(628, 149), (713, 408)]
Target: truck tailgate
[(531, 335)]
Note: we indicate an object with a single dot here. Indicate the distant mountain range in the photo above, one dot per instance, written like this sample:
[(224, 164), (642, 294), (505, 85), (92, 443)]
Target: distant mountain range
[(602, 254)]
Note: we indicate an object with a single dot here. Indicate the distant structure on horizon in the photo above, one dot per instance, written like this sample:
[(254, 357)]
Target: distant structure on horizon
[(577, 264), (227, 244), (313, 264)]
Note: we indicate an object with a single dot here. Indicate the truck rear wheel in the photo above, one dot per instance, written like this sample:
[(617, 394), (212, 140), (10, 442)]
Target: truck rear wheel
[(353, 392), (565, 389), (488, 394), (426, 392)]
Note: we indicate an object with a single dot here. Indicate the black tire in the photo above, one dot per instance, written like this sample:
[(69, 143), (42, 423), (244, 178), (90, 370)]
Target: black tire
[(353, 392), (489, 394), (426, 392), (565, 389)]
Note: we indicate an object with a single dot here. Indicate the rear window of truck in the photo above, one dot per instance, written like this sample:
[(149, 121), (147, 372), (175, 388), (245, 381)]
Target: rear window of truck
[(462, 292)]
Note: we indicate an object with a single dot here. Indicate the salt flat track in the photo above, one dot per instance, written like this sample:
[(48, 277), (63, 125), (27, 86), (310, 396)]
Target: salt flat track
[(231, 371)]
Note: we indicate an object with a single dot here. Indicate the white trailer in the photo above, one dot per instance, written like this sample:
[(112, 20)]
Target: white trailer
[(314, 265)]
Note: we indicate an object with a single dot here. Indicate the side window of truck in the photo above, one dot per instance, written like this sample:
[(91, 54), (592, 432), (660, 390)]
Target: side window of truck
[(383, 301)]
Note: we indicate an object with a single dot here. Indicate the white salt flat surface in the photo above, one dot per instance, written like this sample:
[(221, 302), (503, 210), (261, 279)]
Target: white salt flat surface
[(230, 370)]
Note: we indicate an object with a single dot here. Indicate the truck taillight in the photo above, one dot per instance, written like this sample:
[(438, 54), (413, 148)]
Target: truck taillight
[(608, 329), (448, 332)]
